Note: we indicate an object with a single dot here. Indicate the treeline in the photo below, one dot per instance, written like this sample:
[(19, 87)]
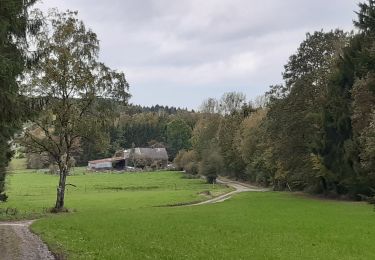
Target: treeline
[(138, 126), (315, 132), (137, 109)]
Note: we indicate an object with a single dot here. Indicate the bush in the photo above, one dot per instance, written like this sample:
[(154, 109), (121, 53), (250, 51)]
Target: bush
[(211, 165), (37, 161), (3, 197), (192, 168), (178, 160), (187, 161), (54, 169)]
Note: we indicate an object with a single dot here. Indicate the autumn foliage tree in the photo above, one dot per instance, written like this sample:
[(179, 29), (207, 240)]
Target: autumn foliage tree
[(316, 131), (70, 92)]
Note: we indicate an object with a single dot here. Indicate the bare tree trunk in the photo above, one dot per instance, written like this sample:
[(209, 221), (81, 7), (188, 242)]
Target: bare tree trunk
[(61, 189)]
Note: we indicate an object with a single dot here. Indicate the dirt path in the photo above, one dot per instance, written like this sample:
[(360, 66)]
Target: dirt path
[(18, 243), (238, 186)]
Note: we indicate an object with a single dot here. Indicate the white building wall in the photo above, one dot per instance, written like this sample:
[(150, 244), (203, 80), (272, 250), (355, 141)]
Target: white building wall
[(101, 165)]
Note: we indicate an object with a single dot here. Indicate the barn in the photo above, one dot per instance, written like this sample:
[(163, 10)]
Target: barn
[(135, 157), (142, 157)]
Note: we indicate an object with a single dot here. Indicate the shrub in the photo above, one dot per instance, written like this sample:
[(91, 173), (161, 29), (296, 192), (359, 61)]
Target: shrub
[(3, 197), (53, 169), (37, 161), (192, 168), (187, 161), (211, 165), (178, 160)]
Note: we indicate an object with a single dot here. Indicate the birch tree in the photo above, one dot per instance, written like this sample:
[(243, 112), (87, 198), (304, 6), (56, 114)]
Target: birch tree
[(70, 92)]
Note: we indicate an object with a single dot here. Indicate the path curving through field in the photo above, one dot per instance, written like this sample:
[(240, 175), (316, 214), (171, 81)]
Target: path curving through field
[(238, 186), (17, 242)]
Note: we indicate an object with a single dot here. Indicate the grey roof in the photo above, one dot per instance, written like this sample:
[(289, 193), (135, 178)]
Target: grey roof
[(151, 153)]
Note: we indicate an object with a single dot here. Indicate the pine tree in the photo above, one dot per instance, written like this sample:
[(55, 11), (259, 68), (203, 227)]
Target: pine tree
[(14, 25), (346, 114)]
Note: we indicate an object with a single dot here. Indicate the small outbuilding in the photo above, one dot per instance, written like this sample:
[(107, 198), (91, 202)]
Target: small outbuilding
[(102, 164)]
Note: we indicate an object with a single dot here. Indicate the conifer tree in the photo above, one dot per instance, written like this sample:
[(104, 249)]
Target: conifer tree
[(14, 25)]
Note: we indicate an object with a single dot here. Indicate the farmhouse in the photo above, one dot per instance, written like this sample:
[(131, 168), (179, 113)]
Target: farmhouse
[(142, 157), (135, 157)]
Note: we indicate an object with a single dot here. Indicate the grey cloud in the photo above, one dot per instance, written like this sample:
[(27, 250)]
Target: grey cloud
[(181, 52)]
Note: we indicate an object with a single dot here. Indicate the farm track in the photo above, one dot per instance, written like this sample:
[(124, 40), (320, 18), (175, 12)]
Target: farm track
[(238, 186), (17, 242)]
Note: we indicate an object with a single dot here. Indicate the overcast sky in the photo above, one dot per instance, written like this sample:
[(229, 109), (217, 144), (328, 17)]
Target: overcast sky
[(180, 52)]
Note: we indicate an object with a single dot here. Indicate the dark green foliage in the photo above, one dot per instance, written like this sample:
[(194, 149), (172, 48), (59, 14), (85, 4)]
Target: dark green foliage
[(13, 28), (347, 112), (178, 136), (317, 132), (211, 165), (252, 143), (366, 17), (293, 120), (233, 164), (143, 127)]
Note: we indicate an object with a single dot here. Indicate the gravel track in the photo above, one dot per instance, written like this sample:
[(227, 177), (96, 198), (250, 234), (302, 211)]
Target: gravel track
[(238, 186), (17, 242)]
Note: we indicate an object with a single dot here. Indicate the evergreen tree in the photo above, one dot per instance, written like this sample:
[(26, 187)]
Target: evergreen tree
[(14, 25), (293, 117), (178, 137), (345, 114)]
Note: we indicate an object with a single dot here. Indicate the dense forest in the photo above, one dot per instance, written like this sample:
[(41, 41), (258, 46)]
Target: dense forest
[(137, 126), (315, 132)]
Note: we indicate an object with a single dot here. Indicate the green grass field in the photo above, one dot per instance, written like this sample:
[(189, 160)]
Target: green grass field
[(116, 217)]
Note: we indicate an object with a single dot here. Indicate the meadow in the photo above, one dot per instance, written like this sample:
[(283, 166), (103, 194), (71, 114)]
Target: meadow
[(118, 216)]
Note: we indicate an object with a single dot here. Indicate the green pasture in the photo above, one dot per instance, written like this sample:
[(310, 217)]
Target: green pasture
[(118, 216)]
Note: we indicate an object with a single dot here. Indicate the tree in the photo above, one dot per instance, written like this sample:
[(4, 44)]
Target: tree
[(209, 106), (212, 164), (294, 118), (205, 133), (366, 15), (227, 129), (14, 25), (348, 108), (367, 155), (231, 102), (314, 58), (178, 136), (70, 91), (252, 145), (187, 161)]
